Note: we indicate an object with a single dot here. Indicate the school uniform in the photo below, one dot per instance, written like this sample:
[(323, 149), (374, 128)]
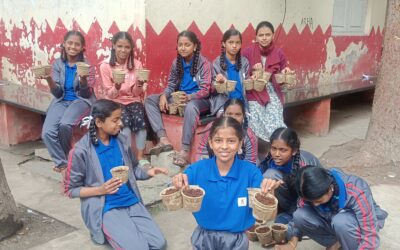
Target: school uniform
[(266, 107), (122, 219), (71, 103), (286, 195), (130, 96), (218, 100), (248, 151), (224, 213), (356, 222), (198, 87)]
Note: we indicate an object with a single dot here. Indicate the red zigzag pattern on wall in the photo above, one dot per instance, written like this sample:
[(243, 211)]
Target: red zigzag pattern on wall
[(305, 50)]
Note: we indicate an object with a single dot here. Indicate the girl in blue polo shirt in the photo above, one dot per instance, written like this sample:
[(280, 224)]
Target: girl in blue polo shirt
[(230, 65), (111, 210), (224, 215), (73, 96), (337, 210)]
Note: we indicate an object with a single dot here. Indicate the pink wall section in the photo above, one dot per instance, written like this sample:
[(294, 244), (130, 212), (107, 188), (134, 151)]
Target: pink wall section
[(306, 51)]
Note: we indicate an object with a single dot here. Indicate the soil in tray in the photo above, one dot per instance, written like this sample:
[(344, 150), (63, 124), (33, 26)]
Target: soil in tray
[(265, 200), (171, 191), (193, 192), (278, 227), (263, 230)]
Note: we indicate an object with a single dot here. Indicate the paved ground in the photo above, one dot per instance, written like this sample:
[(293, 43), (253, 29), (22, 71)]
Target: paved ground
[(34, 185)]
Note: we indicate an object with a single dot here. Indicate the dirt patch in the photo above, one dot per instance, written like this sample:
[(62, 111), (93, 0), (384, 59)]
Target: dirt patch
[(37, 229), (375, 173)]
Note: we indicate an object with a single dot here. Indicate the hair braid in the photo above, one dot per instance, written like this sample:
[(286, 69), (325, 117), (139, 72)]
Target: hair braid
[(92, 132), (238, 61), (222, 60), (113, 58), (196, 58), (179, 68)]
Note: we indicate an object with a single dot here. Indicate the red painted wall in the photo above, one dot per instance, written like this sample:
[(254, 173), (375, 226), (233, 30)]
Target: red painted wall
[(305, 50)]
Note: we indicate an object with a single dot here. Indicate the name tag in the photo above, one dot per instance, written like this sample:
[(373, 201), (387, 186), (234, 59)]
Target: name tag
[(242, 201)]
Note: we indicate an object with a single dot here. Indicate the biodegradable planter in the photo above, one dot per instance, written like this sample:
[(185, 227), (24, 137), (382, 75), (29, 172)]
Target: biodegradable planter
[(280, 78), (173, 109), (172, 198), (41, 71), (264, 206), (176, 96), (248, 84), (82, 68), (252, 192), (230, 85), (118, 76), (181, 109), (220, 87), (266, 76), (251, 234), (192, 198), (279, 232), (264, 235), (121, 172), (259, 84), (143, 74)]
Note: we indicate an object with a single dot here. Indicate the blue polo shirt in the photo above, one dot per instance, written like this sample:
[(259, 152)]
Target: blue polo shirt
[(188, 83), (225, 204), (69, 92), (110, 156), (234, 75)]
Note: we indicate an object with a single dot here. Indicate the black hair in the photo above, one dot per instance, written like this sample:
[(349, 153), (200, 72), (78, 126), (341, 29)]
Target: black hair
[(229, 33), (228, 103), (265, 24), (101, 109), (236, 101), (312, 182), (291, 138), (123, 36), (81, 57), (227, 122), (196, 57)]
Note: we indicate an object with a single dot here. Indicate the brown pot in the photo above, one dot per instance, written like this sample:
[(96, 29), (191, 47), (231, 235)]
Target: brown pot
[(118, 76), (176, 97), (264, 206), (172, 109), (172, 198), (230, 85), (251, 234), (192, 198), (266, 76), (143, 74), (279, 232), (220, 87), (120, 172), (248, 84), (264, 235), (280, 78), (82, 68), (181, 109), (251, 193), (259, 84), (41, 71)]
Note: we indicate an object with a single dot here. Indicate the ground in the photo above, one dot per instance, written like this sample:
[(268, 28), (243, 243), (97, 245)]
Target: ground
[(37, 188)]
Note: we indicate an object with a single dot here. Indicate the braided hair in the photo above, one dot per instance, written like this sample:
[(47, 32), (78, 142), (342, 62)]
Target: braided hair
[(230, 102), (312, 182), (123, 36), (222, 61), (196, 57), (70, 33), (101, 109)]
